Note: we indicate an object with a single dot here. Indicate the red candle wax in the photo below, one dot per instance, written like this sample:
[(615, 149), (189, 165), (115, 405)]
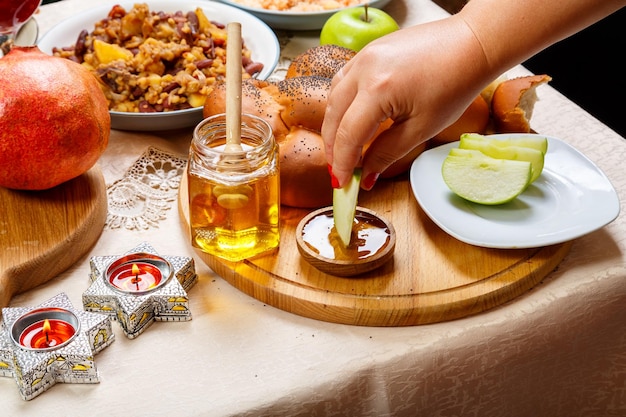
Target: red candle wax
[(46, 334), (135, 277)]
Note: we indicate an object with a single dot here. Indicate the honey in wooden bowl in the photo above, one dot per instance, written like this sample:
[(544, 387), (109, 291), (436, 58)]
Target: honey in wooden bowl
[(372, 243)]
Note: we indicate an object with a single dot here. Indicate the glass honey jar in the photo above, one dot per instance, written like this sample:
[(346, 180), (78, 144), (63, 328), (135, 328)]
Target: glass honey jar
[(234, 201)]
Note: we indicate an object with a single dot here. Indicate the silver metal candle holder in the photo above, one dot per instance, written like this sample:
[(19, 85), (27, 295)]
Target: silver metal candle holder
[(37, 369), (136, 308)]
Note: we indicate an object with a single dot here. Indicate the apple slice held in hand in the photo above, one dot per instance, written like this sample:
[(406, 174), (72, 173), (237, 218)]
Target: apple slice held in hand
[(479, 178), (344, 206)]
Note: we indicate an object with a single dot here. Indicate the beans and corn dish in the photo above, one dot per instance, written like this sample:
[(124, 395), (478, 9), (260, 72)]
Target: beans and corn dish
[(151, 61)]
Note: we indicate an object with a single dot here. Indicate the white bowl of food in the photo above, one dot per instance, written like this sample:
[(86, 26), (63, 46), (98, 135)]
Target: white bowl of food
[(161, 86)]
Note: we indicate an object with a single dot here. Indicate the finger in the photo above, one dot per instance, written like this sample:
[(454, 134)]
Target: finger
[(339, 98), (388, 148), (356, 128)]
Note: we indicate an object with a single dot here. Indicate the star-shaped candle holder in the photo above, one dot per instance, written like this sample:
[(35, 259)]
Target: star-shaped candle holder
[(140, 287), (50, 343)]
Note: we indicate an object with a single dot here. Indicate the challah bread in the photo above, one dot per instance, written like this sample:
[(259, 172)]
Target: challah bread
[(295, 107), (322, 61), (513, 102)]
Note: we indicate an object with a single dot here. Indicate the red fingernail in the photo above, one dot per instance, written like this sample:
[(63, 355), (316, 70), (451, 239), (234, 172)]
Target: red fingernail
[(370, 180), (333, 180)]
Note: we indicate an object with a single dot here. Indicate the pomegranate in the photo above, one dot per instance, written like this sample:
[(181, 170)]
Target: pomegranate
[(54, 120)]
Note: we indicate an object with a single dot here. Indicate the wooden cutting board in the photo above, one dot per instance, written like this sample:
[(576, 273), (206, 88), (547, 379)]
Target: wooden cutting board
[(433, 277), (42, 233)]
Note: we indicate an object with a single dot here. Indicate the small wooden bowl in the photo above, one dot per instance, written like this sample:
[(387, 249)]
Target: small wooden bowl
[(348, 266)]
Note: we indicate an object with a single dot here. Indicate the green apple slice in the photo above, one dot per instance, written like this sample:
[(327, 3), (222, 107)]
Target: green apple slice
[(477, 177), (537, 142), (344, 206), (513, 152)]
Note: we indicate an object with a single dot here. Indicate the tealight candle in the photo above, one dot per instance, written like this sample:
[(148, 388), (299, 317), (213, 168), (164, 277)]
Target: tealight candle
[(140, 276), (45, 328), (138, 273)]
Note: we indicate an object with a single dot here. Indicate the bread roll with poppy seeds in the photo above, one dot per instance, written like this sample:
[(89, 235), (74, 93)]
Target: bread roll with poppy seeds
[(303, 101), (322, 61), (304, 178), (295, 109), (257, 98)]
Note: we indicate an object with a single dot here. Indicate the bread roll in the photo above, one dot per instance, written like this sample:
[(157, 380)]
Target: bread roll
[(295, 109), (513, 102), (475, 119), (487, 92), (303, 101), (257, 98), (322, 61), (304, 178)]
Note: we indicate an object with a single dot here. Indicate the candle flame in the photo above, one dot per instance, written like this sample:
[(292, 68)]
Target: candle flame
[(135, 269), (46, 330), (46, 326)]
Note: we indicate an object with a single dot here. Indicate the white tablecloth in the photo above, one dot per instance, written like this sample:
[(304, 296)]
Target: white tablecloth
[(558, 350)]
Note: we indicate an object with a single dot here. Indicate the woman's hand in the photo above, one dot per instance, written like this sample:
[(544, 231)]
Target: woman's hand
[(405, 77), (424, 77)]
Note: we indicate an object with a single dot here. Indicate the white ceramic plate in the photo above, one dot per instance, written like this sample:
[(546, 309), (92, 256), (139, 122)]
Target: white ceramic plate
[(257, 36), (295, 20), (571, 198)]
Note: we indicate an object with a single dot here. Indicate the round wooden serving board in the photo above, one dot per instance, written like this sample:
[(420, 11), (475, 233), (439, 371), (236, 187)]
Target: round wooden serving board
[(433, 277), (42, 233)]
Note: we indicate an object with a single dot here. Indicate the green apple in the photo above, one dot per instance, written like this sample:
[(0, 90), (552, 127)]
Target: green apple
[(476, 177), (526, 141), (344, 206), (355, 27), (512, 152)]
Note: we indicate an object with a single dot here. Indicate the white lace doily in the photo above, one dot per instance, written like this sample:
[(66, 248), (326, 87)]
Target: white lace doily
[(141, 199)]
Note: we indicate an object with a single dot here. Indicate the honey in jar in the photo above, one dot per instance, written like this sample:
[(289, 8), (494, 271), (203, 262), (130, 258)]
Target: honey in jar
[(234, 202)]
